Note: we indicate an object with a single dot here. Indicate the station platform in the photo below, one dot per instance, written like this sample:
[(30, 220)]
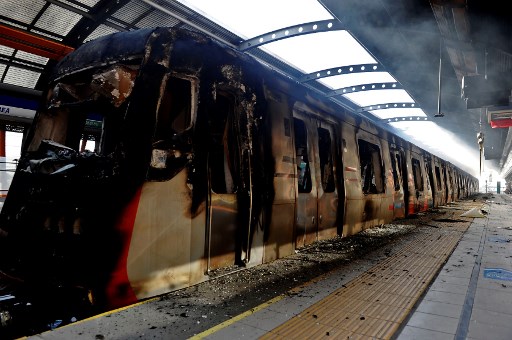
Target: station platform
[(452, 280)]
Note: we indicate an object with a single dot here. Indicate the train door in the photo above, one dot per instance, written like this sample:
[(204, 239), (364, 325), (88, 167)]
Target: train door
[(317, 194), (224, 221), (306, 210), (399, 189), (440, 190), (327, 191), (431, 189), (420, 198), (449, 184)]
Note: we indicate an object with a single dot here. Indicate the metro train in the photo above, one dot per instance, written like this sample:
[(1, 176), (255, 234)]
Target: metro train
[(204, 159)]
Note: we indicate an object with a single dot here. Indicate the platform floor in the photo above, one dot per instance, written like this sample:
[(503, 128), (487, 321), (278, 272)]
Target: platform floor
[(452, 282)]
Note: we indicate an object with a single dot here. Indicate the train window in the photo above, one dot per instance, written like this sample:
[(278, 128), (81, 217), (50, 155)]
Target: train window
[(430, 174), (174, 113), (72, 101), (416, 171), (372, 174), (287, 127), (326, 162), (395, 170), (171, 142), (438, 177), (301, 152), (224, 147)]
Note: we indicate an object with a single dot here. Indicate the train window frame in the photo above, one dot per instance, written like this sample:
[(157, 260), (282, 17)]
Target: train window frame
[(171, 142), (325, 153), (417, 174), (300, 135), (437, 171), (371, 168), (395, 170), (73, 97)]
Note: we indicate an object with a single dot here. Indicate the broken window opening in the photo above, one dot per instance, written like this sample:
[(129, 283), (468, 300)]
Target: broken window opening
[(438, 177), (326, 159), (417, 174), (82, 106), (224, 146), (395, 159), (301, 152), (372, 174), (75, 99), (171, 141), (430, 175)]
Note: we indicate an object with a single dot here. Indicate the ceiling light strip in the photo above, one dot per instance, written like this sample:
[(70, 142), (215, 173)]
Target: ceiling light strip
[(342, 70), (291, 31), (365, 87), (388, 106)]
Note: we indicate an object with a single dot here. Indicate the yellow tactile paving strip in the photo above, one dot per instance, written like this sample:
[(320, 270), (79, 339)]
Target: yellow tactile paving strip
[(373, 305)]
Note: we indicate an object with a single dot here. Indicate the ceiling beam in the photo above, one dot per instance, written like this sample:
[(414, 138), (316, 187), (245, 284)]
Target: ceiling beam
[(31, 43)]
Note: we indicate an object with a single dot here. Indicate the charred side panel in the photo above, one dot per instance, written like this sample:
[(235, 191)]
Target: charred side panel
[(419, 184), (279, 239), (328, 202), (369, 199)]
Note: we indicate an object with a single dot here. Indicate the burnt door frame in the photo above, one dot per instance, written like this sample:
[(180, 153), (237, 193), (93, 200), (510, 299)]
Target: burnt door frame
[(224, 222), (327, 179), (306, 209)]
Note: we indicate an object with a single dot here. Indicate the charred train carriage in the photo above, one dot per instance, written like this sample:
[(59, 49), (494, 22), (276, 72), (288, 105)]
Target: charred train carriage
[(204, 159)]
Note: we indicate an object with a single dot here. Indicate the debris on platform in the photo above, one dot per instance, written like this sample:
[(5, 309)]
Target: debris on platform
[(475, 212)]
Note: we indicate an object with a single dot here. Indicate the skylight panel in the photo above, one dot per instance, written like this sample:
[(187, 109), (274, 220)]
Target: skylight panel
[(23, 11), (21, 77), (317, 51), (100, 31), (252, 18), (4, 50), (344, 80), (58, 20), (379, 96), (398, 113), (32, 57)]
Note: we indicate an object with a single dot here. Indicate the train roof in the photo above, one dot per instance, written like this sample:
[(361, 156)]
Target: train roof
[(104, 50)]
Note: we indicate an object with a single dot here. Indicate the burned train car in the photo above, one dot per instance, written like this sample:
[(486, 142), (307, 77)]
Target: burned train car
[(203, 159)]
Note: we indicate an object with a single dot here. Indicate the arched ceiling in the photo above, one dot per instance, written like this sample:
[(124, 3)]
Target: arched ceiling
[(409, 39)]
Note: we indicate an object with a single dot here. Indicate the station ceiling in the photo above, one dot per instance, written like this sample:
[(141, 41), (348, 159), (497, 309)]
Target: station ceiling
[(453, 58)]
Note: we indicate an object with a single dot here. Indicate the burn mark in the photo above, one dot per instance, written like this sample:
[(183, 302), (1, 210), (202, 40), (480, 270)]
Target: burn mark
[(370, 210)]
